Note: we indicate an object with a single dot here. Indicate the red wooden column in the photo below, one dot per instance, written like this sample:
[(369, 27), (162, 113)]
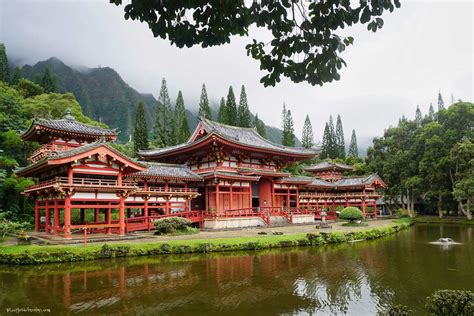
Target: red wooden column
[(122, 215), (67, 215), (250, 195), (375, 208), (37, 216), (167, 205), (56, 217), (206, 198), (218, 210), (231, 197), (47, 225), (363, 206), (69, 175), (297, 197), (287, 197), (108, 220)]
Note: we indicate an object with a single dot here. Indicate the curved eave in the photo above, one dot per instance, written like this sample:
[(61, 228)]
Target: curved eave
[(31, 133), (158, 177), (43, 164), (236, 177), (203, 142)]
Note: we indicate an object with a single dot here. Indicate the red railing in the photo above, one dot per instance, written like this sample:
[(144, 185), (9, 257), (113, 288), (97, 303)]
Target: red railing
[(146, 222), (88, 182)]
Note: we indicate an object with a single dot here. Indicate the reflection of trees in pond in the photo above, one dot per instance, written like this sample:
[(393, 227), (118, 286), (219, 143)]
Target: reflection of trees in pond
[(354, 278)]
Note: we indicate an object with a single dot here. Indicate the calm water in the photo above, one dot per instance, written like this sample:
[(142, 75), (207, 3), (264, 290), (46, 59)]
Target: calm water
[(357, 279)]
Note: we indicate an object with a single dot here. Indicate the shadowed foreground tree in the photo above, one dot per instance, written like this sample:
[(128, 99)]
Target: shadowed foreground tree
[(305, 44)]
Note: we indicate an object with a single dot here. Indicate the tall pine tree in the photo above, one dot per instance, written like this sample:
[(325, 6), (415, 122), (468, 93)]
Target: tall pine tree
[(4, 66), (353, 149), (307, 137), (418, 116), (440, 101), (47, 81), (340, 142), (431, 112), (164, 122), (181, 120), (16, 76), (222, 115), (204, 108), (288, 131), (333, 149), (326, 143), (231, 108), (260, 127), (140, 132), (243, 110)]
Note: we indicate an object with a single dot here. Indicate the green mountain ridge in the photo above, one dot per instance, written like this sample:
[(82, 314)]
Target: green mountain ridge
[(106, 97)]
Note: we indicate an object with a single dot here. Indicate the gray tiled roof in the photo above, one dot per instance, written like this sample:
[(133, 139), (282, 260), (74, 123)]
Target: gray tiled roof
[(168, 171), (68, 124), (249, 137), (345, 182), (72, 152), (245, 136), (228, 174), (325, 165), (297, 179), (322, 183)]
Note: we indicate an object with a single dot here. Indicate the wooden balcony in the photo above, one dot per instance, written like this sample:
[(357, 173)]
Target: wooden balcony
[(107, 184)]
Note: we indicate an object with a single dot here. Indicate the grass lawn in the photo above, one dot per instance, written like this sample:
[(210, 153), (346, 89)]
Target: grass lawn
[(444, 220)]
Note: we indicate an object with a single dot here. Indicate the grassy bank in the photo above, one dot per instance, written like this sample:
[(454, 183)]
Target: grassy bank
[(444, 220), (22, 255)]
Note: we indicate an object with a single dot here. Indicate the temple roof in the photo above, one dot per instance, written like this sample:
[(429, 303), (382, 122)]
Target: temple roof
[(328, 165), (228, 175), (166, 171), (55, 157), (245, 137), (344, 182), (67, 126)]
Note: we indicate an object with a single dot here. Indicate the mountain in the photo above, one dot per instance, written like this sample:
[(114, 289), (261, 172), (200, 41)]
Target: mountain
[(106, 97)]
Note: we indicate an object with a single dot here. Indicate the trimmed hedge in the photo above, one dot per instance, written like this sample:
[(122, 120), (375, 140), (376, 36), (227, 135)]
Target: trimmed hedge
[(170, 225), (351, 214), (57, 255)]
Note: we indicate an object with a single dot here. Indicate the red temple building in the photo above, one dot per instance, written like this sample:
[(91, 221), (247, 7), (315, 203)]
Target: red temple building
[(222, 177)]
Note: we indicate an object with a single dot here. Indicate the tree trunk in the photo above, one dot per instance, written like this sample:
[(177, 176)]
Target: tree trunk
[(467, 211), (440, 200)]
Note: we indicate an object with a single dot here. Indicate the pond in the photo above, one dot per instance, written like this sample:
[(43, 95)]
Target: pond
[(358, 279)]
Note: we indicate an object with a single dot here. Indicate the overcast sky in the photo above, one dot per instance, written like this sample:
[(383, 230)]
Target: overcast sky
[(425, 46)]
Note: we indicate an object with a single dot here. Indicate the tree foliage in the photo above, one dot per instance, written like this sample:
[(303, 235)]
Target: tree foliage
[(244, 115), (48, 82), (288, 135), (204, 108), (353, 148), (222, 114), (232, 117), (340, 142), (4, 66), (260, 126), (307, 137), (164, 128), (181, 120), (305, 44), (428, 160), (140, 132)]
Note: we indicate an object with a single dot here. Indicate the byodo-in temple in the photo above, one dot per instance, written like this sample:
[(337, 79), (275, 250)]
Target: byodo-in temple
[(222, 177)]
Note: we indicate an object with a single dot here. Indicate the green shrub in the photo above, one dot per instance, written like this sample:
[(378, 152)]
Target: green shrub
[(10, 227), (396, 310), (403, 213), (351, 214), (450, 302), (170, 225)]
